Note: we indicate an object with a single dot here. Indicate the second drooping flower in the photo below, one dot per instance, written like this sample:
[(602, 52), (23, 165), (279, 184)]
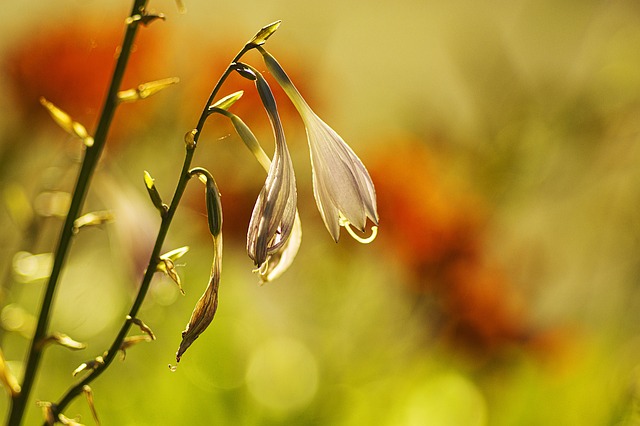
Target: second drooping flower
[(342, 187), (274, 213)]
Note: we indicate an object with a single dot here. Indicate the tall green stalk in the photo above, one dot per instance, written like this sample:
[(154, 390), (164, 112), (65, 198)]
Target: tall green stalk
[(154, 258), (91, 157)]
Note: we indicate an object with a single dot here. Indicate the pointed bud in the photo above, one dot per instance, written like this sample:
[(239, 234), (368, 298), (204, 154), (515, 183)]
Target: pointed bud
[(65, 121), (212, 197), (92, 219), (145, 90), (226, 102), (265, 32), (149, 183)]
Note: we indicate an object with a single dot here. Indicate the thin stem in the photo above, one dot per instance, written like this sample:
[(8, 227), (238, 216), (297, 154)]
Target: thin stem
[(91, 157), (109, 356)]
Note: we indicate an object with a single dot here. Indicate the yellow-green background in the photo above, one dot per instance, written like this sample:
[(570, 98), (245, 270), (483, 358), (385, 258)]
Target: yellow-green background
[(529, 108)]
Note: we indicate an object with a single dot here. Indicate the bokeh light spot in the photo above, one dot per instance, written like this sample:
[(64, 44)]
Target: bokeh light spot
[(445, 400), (283, 375), (31, 267)]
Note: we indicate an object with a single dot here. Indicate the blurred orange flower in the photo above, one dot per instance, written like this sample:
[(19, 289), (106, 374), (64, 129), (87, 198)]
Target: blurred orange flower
[(435, 229), (70, 64)]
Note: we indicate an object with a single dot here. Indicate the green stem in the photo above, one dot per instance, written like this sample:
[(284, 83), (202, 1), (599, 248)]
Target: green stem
[(91, 157), (109, 356)]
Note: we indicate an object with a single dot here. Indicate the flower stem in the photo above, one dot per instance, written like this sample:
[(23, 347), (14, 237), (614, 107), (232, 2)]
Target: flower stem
[(91, 157), (109, 356)]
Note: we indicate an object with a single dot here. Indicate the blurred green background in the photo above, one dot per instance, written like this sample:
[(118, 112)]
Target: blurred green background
[(503, 141)]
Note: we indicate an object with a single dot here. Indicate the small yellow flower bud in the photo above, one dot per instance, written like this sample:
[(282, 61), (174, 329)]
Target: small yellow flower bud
[(92, 219), (145, 90), (156, 199), (65, 121), (265, 32), (226, 102)]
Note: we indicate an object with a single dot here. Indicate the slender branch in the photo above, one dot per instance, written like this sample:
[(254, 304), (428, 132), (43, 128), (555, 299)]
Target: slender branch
[(109, 356), (91, 157)]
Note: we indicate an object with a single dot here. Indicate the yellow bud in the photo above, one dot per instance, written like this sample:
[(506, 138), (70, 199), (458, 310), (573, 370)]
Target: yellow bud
[(265, 32), (92, 219), (226, 102), (145, 90), (64, 120)]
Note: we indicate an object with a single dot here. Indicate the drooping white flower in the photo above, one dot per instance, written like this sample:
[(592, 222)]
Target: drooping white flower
[(274, 213), (280, 260), (342, 187)]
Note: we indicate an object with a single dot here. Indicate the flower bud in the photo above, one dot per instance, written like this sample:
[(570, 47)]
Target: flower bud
[(149, 183), (145, 90), (265, 32), (65, 121)]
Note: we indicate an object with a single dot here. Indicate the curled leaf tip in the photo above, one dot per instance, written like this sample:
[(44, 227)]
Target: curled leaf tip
[(364, 240)]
